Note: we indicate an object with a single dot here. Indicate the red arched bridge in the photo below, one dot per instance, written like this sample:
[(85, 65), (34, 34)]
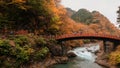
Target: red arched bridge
[(87, 36), (105, 37)]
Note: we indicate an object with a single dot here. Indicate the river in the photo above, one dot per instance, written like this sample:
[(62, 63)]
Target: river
[(84, 59)]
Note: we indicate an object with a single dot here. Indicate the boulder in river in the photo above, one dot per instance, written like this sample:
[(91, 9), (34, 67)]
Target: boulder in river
[(71, 54)]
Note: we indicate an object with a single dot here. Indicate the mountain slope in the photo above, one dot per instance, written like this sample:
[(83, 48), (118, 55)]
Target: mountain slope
[(103, 25), (83, 15), (92, 22), (70, 12)]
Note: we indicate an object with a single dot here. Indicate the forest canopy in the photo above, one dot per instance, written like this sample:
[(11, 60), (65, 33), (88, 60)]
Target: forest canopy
[(38, 16)]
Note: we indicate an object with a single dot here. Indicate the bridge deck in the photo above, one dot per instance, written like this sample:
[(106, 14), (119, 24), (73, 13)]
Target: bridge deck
[(86, 35)]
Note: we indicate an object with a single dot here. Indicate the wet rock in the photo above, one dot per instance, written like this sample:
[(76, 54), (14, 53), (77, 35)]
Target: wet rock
[(71, 54), (103, 63), (55, 50), (62, 60)]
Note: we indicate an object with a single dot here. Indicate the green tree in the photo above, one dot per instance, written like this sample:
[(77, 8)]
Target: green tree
[(83, 15)]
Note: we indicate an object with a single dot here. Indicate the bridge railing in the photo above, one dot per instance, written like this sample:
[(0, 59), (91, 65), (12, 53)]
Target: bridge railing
[(81, 34), (87, 34)]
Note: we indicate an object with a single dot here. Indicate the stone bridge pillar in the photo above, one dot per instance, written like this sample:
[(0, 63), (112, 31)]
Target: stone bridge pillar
[(108, 46), (62, 44), (104, 45)]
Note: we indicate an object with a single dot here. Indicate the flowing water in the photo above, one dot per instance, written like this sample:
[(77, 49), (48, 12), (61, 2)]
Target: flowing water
[(85, 58)]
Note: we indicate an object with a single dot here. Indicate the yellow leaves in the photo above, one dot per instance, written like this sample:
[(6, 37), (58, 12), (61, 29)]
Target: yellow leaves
[(55, 27), (114, 58), (55, 18), (59, 23), (30, 50)]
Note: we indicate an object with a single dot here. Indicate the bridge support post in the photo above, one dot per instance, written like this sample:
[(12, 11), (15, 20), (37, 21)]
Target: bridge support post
[(108, 46), (63, 52)]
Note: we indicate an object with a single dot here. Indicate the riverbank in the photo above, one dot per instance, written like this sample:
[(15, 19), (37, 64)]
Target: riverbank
[(102, 59), (48, 62)]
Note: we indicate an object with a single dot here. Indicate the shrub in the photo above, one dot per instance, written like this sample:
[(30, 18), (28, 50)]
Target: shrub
[(40, 41), (41, 53), (22, 52), (17, 53), (4, 47), (21, 40)]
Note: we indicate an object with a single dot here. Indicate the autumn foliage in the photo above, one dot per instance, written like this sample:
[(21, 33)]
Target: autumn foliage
[(115, 57), (100, 24)]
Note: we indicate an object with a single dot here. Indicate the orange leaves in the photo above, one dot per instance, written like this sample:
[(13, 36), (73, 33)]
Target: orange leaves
[(51, 6), (19, 1), (118, 48), (94, 26)]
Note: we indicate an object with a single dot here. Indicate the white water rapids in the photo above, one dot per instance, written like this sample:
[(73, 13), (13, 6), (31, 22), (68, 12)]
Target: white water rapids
[(85, 58), (86, 53)]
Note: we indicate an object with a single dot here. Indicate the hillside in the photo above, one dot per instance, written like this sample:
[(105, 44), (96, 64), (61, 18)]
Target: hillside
[(93, 22), (70, 12), (103, 25), (83, 15)]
